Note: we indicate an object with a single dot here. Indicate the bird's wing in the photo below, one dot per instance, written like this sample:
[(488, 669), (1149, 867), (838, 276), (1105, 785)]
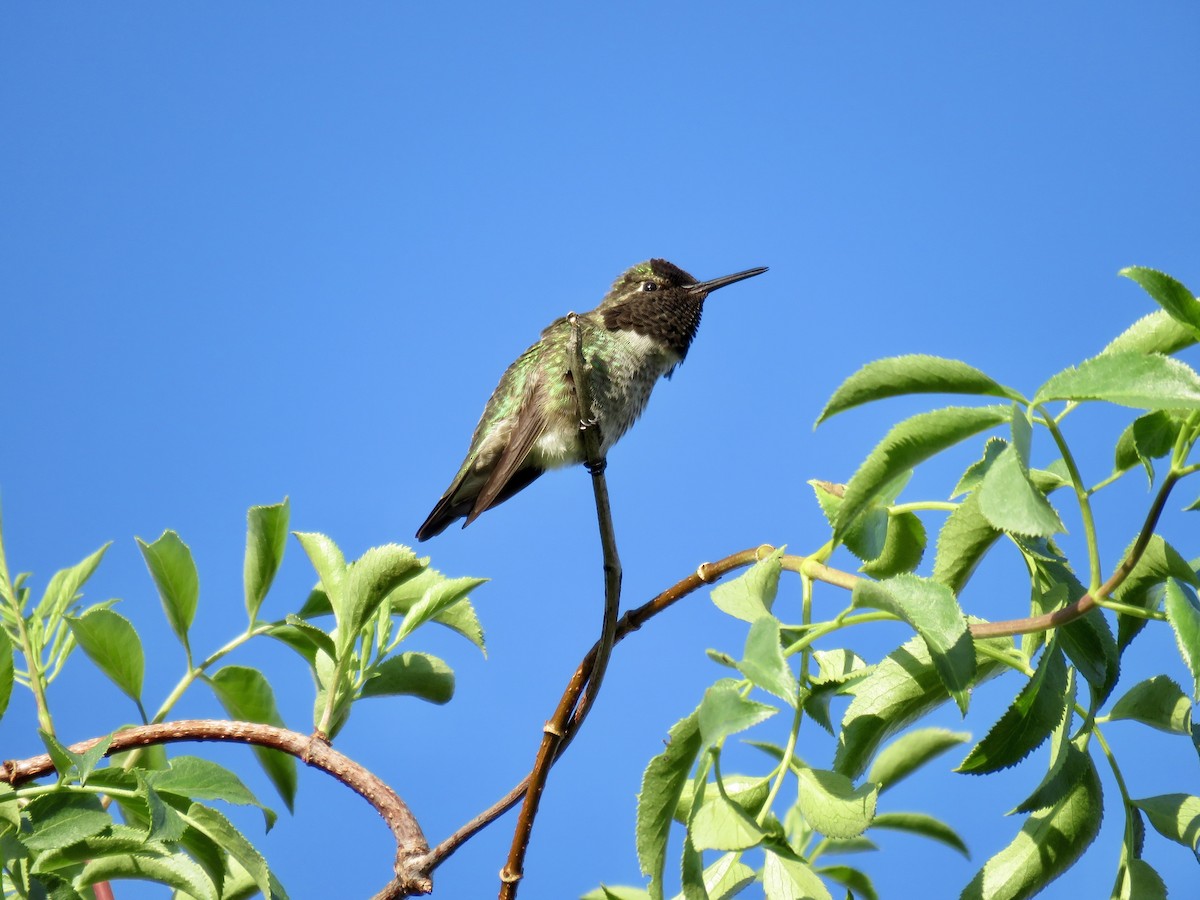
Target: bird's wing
[(525, 432)]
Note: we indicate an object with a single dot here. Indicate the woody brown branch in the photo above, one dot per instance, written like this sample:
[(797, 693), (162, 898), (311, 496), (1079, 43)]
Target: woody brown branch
[(413, 863)]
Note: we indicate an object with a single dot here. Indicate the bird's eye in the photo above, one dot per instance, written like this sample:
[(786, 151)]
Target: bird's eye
[(649, 286)]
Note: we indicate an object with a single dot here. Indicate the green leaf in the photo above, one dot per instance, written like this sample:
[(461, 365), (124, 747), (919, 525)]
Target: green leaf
[(1175, 299), (174, 572), (763, 662), (165, 824), (1022, 434), (748, 793), (368, 581), (616, 892), (867, 534), (63, 818), (193, 778), (721, 824), (903, 547), (974, 473), (459, 617), (1158, 702), (832, 805), (726, 877), (923, 825), (10, 812), (1138, 880), (6, 671), (906, 445), (1147, 438), (965, 538), (1174, 816), (750, 596), (785, 878), (849, 845), (1065, 767), (417, 674), (217, 864), (330, 564), (266, 539), (1048, 844), (837, 666), (112, 643), (436, 600), (1090, 646), (724, 711), (115, 839), (1155, 333), (886, 542), (246, 695), (852, 879), (221, 830), (930, 608), (1139, 380), (662, 785), (909, 752), (176, 871), (1087, 641), (816, 704), (1011, 502), (303, 637), (912, 374), (1143, 586), (68, 763), (63, 588), (1183, 612), (903, 687), (1026, 724), (239, 885), (62, 758)]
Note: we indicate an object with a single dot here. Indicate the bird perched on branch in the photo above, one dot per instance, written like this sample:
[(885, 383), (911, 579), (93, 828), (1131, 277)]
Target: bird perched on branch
[(640, 332)]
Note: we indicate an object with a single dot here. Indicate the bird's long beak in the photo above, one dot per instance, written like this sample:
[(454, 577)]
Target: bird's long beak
[(705, 287)]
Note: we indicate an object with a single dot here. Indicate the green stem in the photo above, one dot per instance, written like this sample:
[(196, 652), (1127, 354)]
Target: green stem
[(1067, 410), (785, 764), (1127, 609), (923, 506), (1103, 483), (41, 789), (824, 552), (1085, 504), (196, 671), (1184, 441), (1112, 763), (189, 677), (798, 716), (37, 682), (1013, 659), (842, 621)]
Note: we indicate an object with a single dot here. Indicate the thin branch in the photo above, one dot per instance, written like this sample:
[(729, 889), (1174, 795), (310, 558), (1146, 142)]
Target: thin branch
[(708, 573), (596, 464), (1087, 602), (556, 728), (633, 620), (412, 866)]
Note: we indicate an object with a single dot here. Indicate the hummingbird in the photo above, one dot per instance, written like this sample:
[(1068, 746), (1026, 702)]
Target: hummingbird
[(640, 332)]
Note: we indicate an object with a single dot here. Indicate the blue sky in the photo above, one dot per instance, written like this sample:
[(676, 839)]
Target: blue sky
[(254, 251)]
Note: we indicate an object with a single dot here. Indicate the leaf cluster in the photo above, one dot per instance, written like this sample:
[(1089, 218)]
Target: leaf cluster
[(146, 815), (776, 827)]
